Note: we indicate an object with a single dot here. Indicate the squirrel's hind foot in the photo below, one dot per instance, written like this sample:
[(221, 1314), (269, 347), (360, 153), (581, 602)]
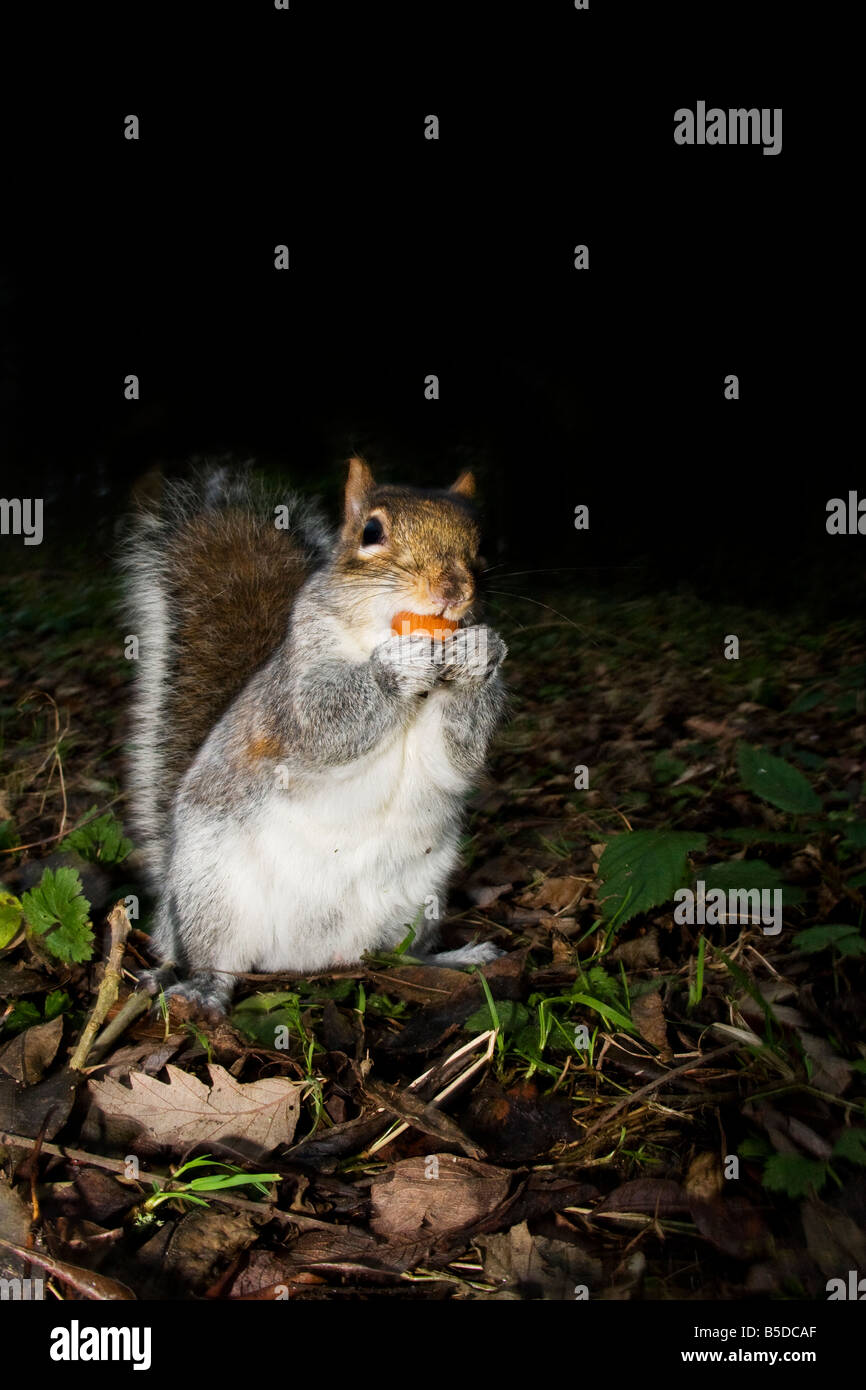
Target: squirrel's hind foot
[(205, 992)]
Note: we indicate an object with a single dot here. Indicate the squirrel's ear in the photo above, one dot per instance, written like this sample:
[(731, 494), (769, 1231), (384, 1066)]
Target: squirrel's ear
[(359, 485), (465, 485)]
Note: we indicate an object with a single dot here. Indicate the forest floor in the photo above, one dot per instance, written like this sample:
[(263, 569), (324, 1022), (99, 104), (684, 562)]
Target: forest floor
[(631, 1102)]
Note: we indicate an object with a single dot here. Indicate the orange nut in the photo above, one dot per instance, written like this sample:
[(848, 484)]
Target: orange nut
[(438, 628)]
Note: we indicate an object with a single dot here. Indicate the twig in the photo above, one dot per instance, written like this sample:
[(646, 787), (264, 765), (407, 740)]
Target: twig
[(136, 1004), (120, 927)]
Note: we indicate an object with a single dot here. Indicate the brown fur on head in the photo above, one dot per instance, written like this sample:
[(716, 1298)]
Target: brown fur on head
[(417, 550)]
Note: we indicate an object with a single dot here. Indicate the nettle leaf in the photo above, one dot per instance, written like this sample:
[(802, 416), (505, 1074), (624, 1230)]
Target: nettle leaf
[(776, 781), (794, 1175), (643, 869), (58, 911), (846, 940), (101, 840), (10, 918), (749, 873)]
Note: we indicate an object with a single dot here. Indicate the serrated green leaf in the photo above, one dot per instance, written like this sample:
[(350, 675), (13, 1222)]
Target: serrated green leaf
[(643, 869), (794, 1175), (56, 1002), (851, 1144), (748, 874), (836, 936), (10, 917), (776, 781), (101, 840), (58, 911)]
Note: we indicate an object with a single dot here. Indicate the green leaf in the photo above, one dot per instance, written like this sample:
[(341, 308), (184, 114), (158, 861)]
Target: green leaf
[(606, 1010), (21, 1016), (794, 1175), (776, 781), (101, 840), (643, 869), (755, 1146), (512, 1017), (58, 910), (10, 918), (57, 1002), (846, 940), (806, 700), (757, 835), (8, 834), (749, 873), (851, 1144)]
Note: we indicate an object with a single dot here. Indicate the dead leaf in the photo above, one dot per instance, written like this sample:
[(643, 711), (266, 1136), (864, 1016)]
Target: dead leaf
[(649, 1019), (14, 1227), (435, 1194), (652, 1196), (536, 1267), (85, 1281), (835, 1242), (639, 953), (555, 893), (26, 1057), (183, 1113), (732, 1224), (204, 1245), (43, 1108)]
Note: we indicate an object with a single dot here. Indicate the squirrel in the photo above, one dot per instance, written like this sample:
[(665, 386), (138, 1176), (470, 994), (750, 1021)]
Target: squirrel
[(298, 770)]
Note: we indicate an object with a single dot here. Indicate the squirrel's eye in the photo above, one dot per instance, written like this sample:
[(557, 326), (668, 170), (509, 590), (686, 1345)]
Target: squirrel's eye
[(374, 532)]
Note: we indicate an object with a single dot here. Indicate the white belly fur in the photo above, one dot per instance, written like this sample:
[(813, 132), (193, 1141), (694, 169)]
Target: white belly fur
[(315, 880)]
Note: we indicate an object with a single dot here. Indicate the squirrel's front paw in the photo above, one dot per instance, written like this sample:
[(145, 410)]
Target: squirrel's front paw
[(472, 654), (406, 664)]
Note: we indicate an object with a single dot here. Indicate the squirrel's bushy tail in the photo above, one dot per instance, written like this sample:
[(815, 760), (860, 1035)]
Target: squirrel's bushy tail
[(210, 582)]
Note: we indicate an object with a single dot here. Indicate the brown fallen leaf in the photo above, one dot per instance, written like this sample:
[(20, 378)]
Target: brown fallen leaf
[(15, 1221), (536, 1267), (86, 1282), (649, 1019), (17, 979), (204, 1244), (653, 1196), (40, 1109), (26, 1057), (639, 953), (555, 893), (435, 1194), (182, 1113), (835, 1242)]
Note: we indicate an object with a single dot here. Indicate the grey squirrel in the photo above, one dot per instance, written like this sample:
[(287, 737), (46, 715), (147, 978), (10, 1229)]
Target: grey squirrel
[(298, 771)]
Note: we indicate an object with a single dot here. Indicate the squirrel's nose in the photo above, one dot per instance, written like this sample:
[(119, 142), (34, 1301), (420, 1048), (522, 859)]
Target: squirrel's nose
[(451, 593)]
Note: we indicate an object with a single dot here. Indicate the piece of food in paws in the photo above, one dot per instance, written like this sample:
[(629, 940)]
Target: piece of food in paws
[(438, 627)]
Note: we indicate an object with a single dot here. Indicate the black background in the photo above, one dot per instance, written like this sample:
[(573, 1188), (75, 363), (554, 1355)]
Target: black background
[(455, 257)]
